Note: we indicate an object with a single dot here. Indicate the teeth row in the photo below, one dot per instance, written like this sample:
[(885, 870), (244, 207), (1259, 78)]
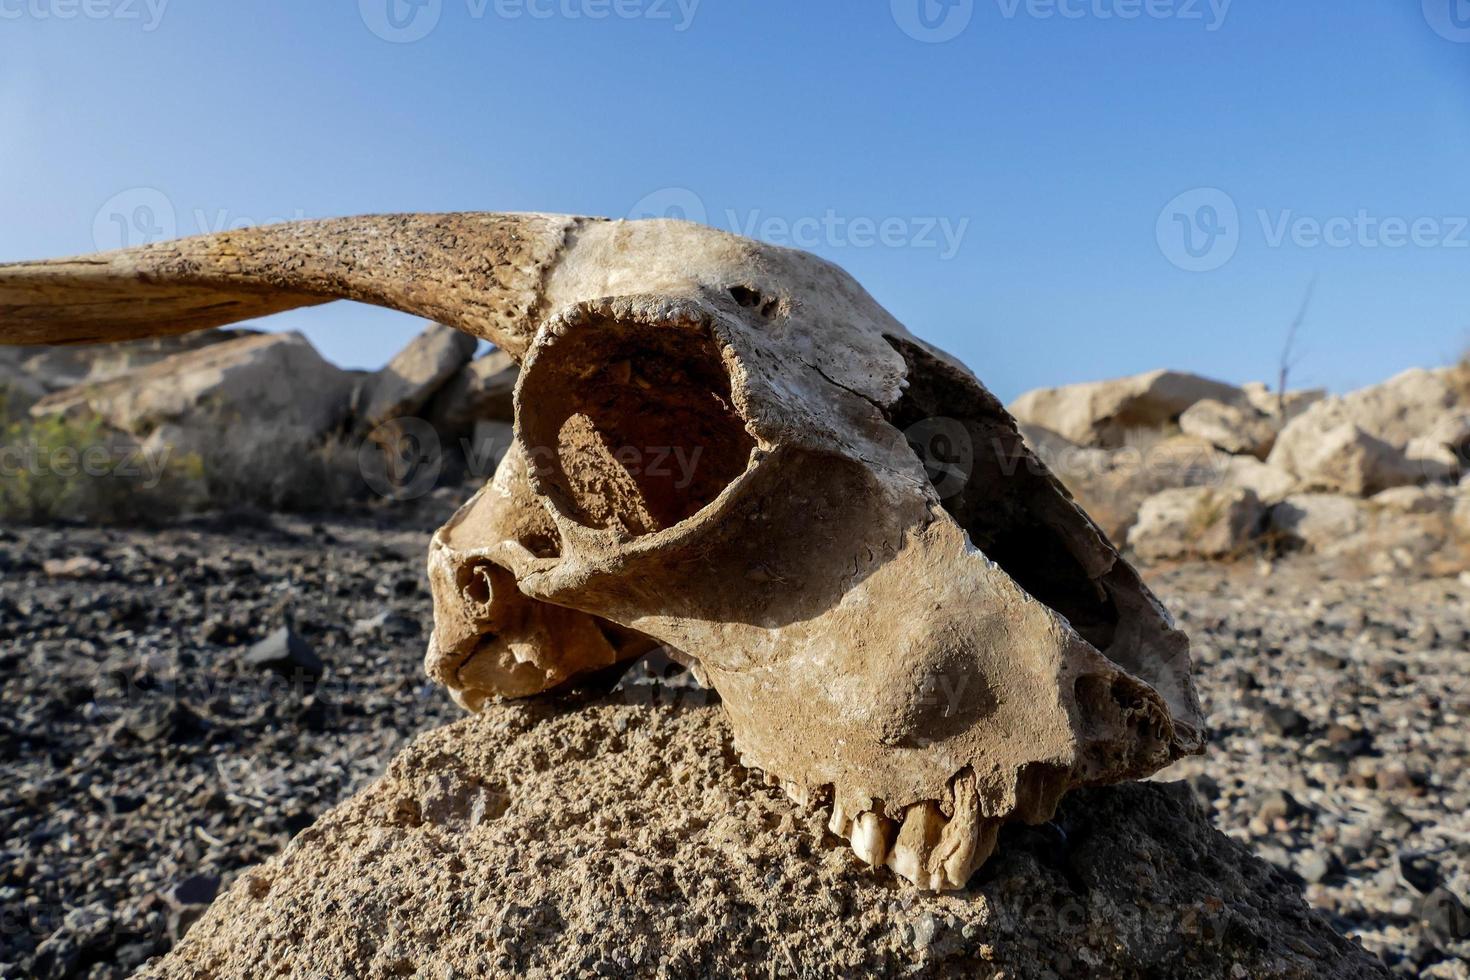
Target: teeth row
[(927, 848), (932, 851)]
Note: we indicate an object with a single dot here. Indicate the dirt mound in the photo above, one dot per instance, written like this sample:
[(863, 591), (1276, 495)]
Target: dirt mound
[(615, 834)]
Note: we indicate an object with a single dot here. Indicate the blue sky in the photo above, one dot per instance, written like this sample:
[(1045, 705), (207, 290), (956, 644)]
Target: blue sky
[(1014, 179)]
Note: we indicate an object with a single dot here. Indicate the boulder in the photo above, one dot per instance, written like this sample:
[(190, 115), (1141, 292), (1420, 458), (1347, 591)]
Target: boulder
[(19, 390), (614, 835), (34, 372), (1270, 484), (1443, 453), (1460, 515), (482, 390), (414, 375), (1406, 530), (257, 413), (1318, 521), (485, 447), (1341, 457), (1414, 500), (1196, 522), (1421, 416), (1102, 413), (1111, 484), (1407, 405), (1283, 408), (1233, 428)]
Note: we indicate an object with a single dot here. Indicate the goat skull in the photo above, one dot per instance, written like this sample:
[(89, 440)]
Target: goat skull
[(713, 453)]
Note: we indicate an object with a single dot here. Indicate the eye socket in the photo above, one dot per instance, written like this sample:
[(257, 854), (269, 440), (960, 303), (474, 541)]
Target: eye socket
[(630, 424)]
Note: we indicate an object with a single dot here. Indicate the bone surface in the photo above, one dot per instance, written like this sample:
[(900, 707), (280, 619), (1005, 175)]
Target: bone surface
[(730, 450)]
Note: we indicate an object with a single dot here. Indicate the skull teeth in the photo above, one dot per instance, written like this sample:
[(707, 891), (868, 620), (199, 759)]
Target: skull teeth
[(871, 833), (925, 847)]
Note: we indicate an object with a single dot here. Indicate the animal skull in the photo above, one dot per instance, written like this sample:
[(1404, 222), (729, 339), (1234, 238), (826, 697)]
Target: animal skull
[(713, 453)]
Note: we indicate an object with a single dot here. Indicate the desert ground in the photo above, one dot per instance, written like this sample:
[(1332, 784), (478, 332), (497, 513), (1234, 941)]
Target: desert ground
[(150, 763)]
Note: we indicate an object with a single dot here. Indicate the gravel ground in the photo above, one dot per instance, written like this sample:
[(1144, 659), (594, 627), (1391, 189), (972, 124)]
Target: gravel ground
[(1340, 715), (146, 757)]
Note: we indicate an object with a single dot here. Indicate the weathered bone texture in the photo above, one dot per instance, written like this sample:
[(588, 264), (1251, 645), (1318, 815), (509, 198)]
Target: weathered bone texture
[(711, 455)]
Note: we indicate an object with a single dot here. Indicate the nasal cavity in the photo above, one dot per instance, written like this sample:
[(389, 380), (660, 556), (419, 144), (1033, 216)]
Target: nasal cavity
[(631, 425)]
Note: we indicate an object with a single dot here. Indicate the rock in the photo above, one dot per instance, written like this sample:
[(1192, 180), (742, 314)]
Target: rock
[(1203, 522), (1111, 485), (486, 447), (1285, 722), (18, 389), (1408, 405), (385, 622), (1419, 871), (1444, 918), (50, 369), (1270, 484), (83, 936), (1313, 866), (159, 719), (1341, 458), (408, 381), (285, 652), (1377, 426), (1101, 413), (1415, 500), (195, 890), (1269, 402), (245, 405), (80, 567), (1460, 515), (1233, 428), (1149, 888), (482, 390), (1317, 520), (1444, 451)]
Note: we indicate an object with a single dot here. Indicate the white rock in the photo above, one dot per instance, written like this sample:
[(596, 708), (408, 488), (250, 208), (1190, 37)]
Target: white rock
[(264, 397), (1415, 500), (1101, 413), (1318, 520), (482, 390), (414, 375), (1271, 484), (1233, 428), (1196, 522), (1340, 457), (1263, 399)]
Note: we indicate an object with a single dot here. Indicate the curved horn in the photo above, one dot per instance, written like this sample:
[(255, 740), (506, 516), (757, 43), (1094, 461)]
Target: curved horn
[(480, 273)]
